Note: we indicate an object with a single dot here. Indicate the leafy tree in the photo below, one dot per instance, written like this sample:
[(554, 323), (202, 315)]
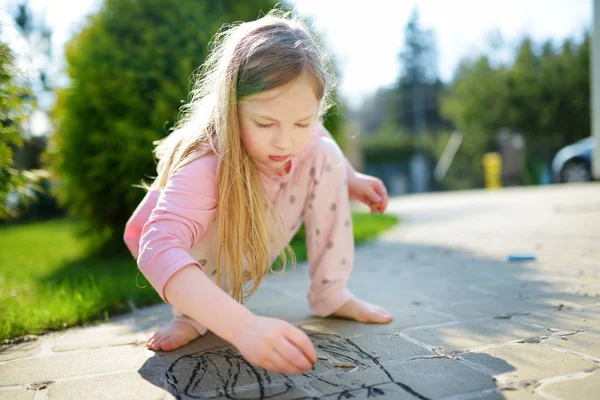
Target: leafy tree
[(415, 100), (412, 104), (24, 197), (13, 102), (37, 36), (477, 99)]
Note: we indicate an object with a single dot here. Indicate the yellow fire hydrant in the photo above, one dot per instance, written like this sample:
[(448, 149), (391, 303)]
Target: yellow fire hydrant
[(492, 169)]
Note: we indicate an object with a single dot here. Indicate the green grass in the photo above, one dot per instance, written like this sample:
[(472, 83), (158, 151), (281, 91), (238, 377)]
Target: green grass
[(48, 282)]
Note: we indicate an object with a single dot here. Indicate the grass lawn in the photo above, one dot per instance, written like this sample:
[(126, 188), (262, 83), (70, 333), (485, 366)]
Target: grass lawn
[(47, 282)]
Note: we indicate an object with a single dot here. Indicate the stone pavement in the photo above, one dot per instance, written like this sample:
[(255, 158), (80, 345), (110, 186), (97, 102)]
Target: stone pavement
[(468, 323)]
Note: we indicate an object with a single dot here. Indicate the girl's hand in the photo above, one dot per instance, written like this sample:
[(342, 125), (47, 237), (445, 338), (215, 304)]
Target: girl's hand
[(368, 190), (276, 345)]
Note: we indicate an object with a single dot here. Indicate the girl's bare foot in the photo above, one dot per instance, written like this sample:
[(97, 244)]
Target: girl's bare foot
[(172, 336), (362, 311)]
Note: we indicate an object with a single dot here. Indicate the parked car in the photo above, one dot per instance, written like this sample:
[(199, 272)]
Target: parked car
[(573, 163)]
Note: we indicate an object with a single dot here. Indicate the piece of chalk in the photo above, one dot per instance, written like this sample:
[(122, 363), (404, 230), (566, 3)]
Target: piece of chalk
[(521, 257)]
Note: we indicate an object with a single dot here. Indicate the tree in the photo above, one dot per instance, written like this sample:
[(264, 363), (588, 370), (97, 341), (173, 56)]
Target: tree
[(13, 100), (416, 98), (23, 182), (412, 104), (36, 37), (129, 69)]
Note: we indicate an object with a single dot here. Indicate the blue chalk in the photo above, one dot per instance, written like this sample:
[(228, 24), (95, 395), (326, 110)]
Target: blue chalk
[(521, 257)]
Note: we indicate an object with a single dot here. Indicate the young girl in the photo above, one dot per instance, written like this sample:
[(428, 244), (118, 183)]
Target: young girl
[(246, 165)]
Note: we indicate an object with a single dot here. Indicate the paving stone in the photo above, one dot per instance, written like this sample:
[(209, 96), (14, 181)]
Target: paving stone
[(477, 272), (488, 308), (456, 293), (535, 286), (564, 319), (525, 394), (294, 313), (100, 335), (268, 297), (149, 319), (585, 343), (386, 294), (527, 362), (512, 287), (403, 318), (17, 394), (554, 299), (433, 378), (592, 307), (385, 347), (353, 385), (293, 281), (129, 385), (584, 388), (473, 334), (63, 365), (21, 350)]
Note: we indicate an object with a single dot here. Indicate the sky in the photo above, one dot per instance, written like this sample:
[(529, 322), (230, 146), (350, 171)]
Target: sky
[(366, 41)]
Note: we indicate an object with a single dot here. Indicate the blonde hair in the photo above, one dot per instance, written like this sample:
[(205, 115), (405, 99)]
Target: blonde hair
[(245, 59)]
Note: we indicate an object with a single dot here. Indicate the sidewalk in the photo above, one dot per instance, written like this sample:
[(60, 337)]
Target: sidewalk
[(468, 324)]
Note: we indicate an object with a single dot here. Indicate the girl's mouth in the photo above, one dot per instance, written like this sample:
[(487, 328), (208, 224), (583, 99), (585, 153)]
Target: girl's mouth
[(279, 158)]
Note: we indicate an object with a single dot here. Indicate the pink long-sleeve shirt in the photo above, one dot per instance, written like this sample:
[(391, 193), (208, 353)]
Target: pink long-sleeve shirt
[(175, 227)]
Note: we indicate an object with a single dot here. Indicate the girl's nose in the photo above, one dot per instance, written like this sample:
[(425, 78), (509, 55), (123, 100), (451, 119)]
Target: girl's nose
[(283, 140)]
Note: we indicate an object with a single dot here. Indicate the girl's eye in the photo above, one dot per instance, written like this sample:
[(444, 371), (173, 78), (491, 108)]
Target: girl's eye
[(270, 125)]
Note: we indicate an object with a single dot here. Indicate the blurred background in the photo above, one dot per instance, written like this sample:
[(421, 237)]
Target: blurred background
[(433, 96)]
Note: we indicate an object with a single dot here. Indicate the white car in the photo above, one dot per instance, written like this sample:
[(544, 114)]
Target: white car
[(573, 163)]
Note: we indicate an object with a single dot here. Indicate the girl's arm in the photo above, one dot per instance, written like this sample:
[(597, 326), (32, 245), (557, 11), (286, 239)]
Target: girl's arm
[(364, 188), (197, 296), (184, 210), (267, 342)]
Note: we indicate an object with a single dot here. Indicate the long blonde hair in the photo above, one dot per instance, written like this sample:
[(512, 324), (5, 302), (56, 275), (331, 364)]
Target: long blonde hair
[(245, 59)]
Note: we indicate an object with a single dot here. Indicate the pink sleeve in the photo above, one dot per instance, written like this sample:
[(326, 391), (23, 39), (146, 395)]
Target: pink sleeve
[(184, 210), (133, 228), (323, 131)]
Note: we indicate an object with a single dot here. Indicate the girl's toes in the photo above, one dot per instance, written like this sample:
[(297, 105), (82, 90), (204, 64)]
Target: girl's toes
[(382, 316), (167, 344), (154, 342)]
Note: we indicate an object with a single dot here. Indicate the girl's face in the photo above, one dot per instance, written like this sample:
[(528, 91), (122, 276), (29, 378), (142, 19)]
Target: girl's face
[(275, 125)]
